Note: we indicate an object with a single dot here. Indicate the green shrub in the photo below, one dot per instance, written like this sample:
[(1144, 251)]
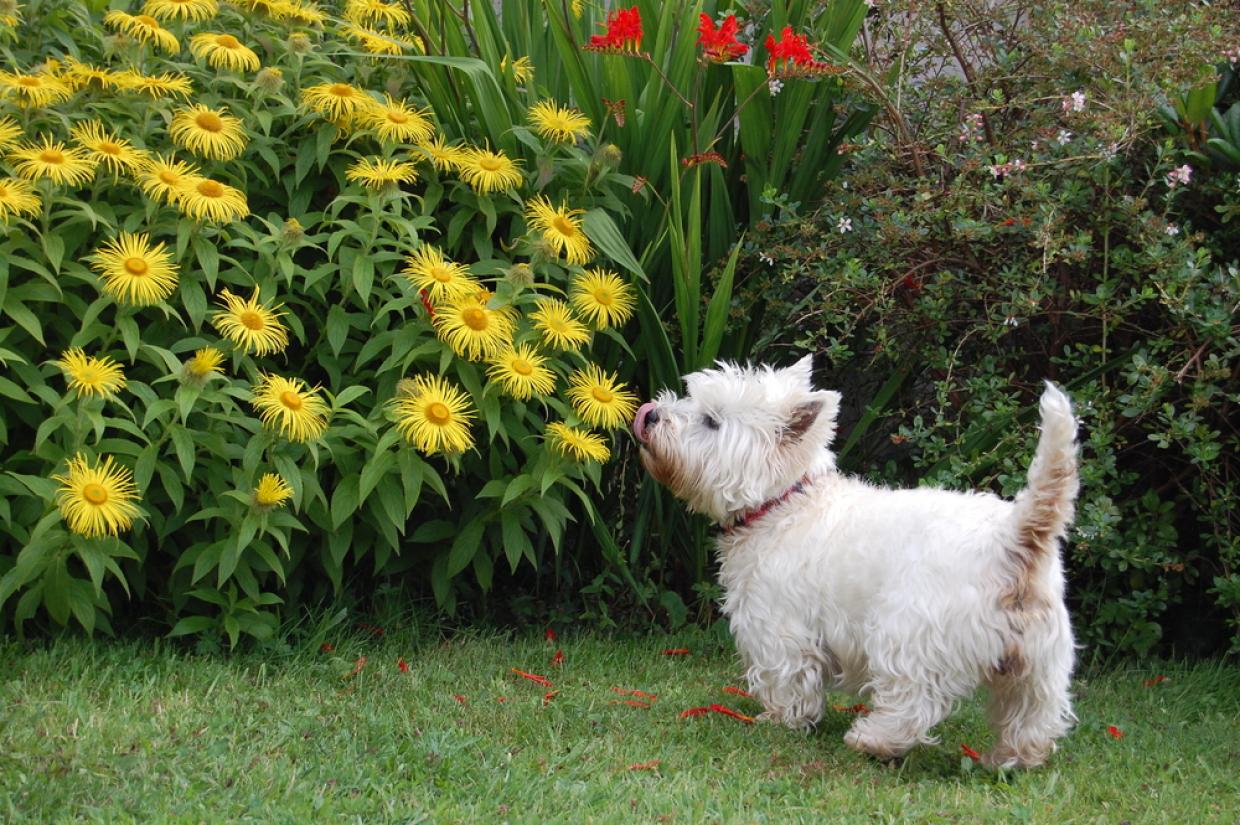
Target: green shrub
[(1053, 205)]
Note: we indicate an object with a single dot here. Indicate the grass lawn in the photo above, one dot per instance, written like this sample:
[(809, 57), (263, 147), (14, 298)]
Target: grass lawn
[(137, 732)]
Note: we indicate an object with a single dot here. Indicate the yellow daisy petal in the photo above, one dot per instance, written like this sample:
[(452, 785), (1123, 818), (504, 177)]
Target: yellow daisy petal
[(559, 327), (576, 443), (91, 375), (379, 173), (17, 198), (559, 124), (521, 373), (192, 11), (134, 272), (486, 171), (289, 407), (272, 491), (223, 51), (52, 160), (472, 329), (250, 325), (600, 399), (32, 91), (115, 154), (444, 280), (602, 298), (209, 200), (97, 500), (560, 228), (434, 416), (207, 132)]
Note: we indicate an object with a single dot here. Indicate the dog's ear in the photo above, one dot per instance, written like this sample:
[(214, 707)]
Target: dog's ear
[(817, 412), (803, 371)]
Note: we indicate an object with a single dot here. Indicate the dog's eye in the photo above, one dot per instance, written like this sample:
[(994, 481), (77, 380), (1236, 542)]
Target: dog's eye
[(710, 422)]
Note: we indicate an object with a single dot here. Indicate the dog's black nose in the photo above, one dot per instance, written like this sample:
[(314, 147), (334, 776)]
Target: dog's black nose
[(652, 417)]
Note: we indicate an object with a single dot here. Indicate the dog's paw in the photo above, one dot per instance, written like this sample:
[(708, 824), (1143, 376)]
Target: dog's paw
[(878, 748)]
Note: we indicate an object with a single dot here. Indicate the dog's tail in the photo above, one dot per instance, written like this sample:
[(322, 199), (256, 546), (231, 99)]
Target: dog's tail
[(1044, 509)]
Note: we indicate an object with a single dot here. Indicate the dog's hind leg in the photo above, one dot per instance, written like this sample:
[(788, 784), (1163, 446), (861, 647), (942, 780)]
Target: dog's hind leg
[(903, 714)]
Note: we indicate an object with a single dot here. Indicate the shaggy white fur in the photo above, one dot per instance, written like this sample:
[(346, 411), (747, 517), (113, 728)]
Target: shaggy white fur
[(910, 598)]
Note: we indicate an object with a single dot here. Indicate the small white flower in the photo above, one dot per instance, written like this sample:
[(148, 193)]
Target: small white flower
[(1110, 151), (1172, 230), (775, 85), (1011, 321), (766, 259), (1064, 137), (1017, 165), (1075, 102), (869, 4), (844, 225), (1180, 176)]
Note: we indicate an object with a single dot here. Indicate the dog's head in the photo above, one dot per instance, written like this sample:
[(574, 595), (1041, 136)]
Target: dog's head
[(741, 436)]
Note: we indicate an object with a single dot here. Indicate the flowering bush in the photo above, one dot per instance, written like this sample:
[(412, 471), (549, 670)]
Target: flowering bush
[(290, 295), (1046, 197)]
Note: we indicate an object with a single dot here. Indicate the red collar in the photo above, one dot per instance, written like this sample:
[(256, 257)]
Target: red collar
[(746, 519)]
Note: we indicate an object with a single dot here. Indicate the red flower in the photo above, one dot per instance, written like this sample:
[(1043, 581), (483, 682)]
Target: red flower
[(790, 56), (624, 33), (735, 691), (550, 634), (426, 302), (1157, 680), (501, 699), (557, 659), (676, 651), (703, 157), (640, 694), (533, 677), (326, 647), (726, 711), (549, 695), (645, 766), (460, 700), (1115, 732), (615, 108), (402, 664), (969, 752), (720, 44)]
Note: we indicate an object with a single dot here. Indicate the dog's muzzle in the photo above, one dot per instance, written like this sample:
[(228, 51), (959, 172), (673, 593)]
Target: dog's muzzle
[(647, 416)]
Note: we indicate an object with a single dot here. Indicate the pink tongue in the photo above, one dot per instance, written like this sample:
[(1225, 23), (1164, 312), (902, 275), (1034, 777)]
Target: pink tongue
[(639, 420)]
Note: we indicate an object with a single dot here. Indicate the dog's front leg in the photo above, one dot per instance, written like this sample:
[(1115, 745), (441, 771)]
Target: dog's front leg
[(785, 673)]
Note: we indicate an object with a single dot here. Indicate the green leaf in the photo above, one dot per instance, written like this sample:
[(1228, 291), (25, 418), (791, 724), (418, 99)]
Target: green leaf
[(464, 547), (602, 231), (192, 624), (717, 310), (516, 542), (183, 444), (345, 499), (337, 328)]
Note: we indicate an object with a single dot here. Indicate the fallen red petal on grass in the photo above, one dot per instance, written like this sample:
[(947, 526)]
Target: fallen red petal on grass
[(640, 694), (533, 677), (1115, 732), (501, 699), (403, 665), (676, 651), (460, 699), (326, 647), (633, 703), (713, 708), (373, 630), (357, 668), (860, 707), (549, 695), (1157, 680), (969, 752), (735, 691), (550, 634), (557, 659), (653, 764)]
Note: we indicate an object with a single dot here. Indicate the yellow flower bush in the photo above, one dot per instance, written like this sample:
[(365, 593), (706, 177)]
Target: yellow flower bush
[(281, 304)]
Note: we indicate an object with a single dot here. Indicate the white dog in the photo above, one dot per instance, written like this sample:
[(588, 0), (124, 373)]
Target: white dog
[(911, 598)]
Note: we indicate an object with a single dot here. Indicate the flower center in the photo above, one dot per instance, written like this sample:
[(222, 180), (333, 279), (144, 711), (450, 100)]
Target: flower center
[(251, 320), (136, 266), (475, 318), (95, 493), (147, 20), (291, 400), (441, 273), (602, 395), (210, 189), (89, 376), (341, 90), (563, 225), (109, 148), (227, 41), (30, 82), (522, 367), (54, 156), (491, 163), (170, 178), (437, 412), (399, 118), (603, 296), (209, 121)]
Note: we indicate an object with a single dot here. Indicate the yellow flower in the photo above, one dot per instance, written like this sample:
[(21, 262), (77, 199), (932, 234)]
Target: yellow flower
[(362, 12), (522, 69), (192, 11), (521, 372), (32, 90), (52, 160), (486, 171), (167, 84), (78, 75), (434, 416), (444, 157), (576, 443), (272, 491), (269, 79), (97, 500), (559, 124), (9, 132), (395, 121), (377, 173), (560, 228), (443, 280), (115, 154), (603, 298), (223, 51), (17, 198), (335, 100), (377, 42), (91, 375), (210, 133), (308, 14), (250, 325), (209, 200), (10, 13), (289, 407), (143, 28), (134, 272), (206, 362), (472, 329), (600, 399), (559, 328), (162, 178)]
